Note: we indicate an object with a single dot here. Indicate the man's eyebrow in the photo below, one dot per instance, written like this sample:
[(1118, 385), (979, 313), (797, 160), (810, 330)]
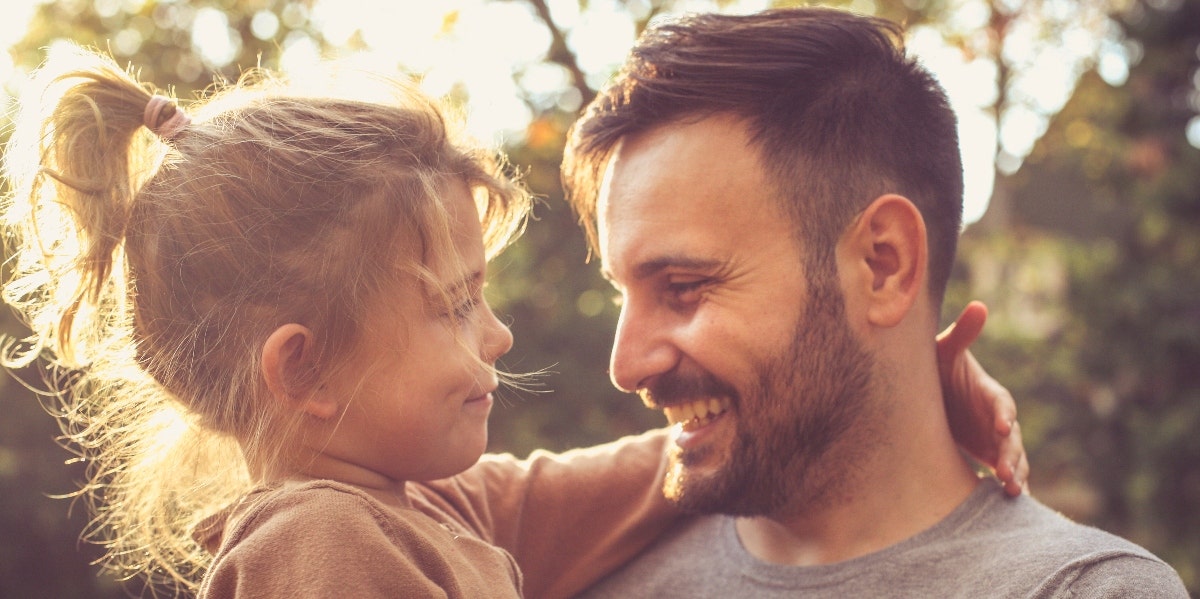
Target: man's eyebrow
[(652, 267)]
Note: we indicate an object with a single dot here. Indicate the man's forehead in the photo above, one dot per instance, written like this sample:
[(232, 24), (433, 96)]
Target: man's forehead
[(606, 181), (695, 174)]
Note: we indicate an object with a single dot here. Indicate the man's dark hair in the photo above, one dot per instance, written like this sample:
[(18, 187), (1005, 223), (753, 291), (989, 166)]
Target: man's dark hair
[(838, 113)]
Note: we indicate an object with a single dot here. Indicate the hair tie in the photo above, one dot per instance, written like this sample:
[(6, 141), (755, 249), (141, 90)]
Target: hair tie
[(169, 128)]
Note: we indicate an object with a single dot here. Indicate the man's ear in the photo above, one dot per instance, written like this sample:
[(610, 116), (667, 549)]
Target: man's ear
[(888, 248), (288, 365)]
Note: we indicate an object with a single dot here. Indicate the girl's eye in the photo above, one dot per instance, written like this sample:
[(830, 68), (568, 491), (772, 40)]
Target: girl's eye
[(464, 309)]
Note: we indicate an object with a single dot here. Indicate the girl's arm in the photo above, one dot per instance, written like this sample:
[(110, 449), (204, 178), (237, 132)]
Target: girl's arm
[(569, 518)]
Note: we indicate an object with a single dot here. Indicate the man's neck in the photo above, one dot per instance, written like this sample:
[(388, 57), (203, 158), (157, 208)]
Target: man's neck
[(915, 479)]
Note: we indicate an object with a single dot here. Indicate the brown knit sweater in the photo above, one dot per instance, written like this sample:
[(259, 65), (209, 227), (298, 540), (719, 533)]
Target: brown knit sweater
[(564, 519)]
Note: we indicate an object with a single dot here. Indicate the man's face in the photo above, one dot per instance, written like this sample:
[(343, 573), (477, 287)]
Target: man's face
[(721, 328)]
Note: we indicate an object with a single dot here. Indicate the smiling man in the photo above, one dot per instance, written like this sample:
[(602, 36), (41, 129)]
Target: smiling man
[(715, 327), (778, 197)]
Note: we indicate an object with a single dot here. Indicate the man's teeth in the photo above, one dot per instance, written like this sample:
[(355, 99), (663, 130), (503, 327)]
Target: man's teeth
[(699, 411)]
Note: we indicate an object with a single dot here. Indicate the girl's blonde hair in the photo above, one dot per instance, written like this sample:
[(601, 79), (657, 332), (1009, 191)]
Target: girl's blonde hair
[(150, 271)]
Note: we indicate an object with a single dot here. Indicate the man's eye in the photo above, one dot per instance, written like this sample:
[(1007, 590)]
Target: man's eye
[(685, 286), (686, 290)]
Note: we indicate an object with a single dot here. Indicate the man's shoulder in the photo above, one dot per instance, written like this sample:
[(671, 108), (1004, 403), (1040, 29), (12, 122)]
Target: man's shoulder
[(1028, 548), (1026, 521)]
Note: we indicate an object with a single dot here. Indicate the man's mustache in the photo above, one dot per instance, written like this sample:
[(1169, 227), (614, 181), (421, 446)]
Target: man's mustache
[(676, 387)]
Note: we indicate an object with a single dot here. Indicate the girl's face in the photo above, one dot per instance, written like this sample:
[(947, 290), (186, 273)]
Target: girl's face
[(417, 396)]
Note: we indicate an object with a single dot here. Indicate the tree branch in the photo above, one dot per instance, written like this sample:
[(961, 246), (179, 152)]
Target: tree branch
[(560, 54)]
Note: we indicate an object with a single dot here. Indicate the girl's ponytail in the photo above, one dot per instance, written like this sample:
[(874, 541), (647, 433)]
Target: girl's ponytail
[(76, 158), (79, 153)]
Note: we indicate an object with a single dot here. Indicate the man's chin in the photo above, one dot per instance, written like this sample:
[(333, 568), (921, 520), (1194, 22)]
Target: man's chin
[(699, 490)]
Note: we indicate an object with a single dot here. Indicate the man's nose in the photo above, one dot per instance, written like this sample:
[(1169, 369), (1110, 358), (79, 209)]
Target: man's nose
[(642, 347)]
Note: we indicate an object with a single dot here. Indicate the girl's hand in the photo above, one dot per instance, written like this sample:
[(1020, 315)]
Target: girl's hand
[(982, 413)]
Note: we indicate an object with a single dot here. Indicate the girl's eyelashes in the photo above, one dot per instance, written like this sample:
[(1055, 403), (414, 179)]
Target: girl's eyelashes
[(464, 308), (466, 297)]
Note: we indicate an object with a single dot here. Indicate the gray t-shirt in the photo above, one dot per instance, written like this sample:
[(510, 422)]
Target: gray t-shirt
[(990, 546)]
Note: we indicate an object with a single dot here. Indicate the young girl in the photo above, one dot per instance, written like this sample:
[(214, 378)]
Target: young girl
[(266, 318)]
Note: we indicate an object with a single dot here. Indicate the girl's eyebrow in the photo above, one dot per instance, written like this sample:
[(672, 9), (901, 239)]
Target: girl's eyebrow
[(449, 291), (467, 281)]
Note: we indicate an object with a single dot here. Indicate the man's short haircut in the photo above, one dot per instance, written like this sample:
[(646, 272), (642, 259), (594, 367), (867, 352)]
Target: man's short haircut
[(837, 111)]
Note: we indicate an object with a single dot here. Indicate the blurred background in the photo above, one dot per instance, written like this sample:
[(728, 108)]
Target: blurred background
[(1081, 144)]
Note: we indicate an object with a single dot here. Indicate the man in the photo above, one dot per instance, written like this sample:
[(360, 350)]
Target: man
[(777, 197)]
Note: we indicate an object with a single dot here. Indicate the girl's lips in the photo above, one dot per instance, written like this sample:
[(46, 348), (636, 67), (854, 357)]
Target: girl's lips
[(487, 395), (483, 403)]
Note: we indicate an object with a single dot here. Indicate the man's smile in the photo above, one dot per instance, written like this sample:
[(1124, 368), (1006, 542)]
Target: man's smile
[(697, 413)]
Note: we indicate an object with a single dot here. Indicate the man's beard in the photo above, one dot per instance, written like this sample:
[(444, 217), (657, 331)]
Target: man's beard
[(800, 425)]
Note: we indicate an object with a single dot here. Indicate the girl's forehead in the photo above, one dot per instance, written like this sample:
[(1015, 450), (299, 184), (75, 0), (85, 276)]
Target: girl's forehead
[(466, 229), (458, 254), (459, 199)]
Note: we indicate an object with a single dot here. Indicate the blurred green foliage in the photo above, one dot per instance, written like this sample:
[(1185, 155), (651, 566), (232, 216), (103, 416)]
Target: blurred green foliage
[(1093, 287), (1095, 295)]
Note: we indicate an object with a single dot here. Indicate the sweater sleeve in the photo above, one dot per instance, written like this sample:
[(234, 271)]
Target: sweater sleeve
[(569, 518), (336, 545)]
